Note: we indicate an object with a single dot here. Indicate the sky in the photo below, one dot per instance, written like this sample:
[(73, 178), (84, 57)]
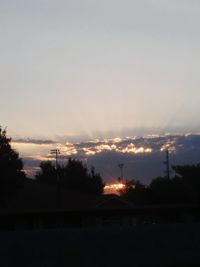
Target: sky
[(80, 70), (142, 157), (86, 68)]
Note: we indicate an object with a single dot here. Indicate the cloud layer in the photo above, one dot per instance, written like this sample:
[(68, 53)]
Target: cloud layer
[(142, 157)]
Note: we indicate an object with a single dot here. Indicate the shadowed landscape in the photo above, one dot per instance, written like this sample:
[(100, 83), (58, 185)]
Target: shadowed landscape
[(61, 217), (99, 133)]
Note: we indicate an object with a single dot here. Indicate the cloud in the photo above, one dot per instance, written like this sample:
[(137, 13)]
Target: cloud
[(128, 145), (142, 157), (33, 141)]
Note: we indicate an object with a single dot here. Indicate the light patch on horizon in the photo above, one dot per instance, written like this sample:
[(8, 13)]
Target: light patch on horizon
[(113, 188)]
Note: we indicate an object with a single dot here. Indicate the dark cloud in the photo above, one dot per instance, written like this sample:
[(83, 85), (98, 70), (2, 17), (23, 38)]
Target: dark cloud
[(139, 163), (34, 141)]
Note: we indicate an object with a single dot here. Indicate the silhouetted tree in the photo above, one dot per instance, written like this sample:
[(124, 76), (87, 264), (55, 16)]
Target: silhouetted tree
[(184, 187), (163, 190), (189, 176), (11, 167), (47, 174), (134, 191), (188, 172), (95, 185), (74, 175)]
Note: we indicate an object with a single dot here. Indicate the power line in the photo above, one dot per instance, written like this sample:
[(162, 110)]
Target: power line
[(121, 166), (56, 152), (167, 163)]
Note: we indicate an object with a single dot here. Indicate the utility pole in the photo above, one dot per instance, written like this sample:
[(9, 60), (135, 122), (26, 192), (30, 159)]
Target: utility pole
[(121, 166), (167, 164), (56, 152)]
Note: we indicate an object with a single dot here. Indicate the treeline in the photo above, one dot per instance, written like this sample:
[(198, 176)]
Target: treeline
[(11, 168), (75, 175), (182, 188)]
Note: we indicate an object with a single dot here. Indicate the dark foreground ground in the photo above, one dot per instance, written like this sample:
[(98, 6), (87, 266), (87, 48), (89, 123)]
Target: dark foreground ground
[(156, 245)]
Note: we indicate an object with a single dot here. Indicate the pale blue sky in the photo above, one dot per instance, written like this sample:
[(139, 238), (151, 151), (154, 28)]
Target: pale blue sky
[(84, 67)]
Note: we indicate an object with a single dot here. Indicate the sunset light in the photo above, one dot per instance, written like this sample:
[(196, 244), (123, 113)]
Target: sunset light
[(100, 133), (170, 146), (114, 188), (68, 149)]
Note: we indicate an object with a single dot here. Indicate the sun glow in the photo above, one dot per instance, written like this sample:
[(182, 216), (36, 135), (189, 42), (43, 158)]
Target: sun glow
[(114, 188)]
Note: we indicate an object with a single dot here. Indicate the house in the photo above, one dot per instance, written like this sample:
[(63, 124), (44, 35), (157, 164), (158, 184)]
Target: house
[(39, 206)]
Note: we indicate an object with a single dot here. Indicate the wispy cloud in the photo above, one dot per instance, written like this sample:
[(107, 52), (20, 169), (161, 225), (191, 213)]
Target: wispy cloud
[(33, 141)]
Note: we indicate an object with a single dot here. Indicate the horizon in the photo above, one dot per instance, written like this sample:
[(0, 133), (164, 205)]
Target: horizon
[(142, 157)]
